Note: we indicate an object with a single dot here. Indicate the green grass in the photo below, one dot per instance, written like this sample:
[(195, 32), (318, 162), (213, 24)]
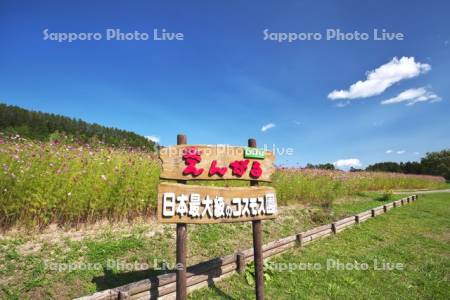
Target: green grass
[(25, 260), (417, 236)]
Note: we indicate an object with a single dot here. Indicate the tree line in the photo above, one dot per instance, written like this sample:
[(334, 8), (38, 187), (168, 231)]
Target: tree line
[(44, 126), (434, 163)]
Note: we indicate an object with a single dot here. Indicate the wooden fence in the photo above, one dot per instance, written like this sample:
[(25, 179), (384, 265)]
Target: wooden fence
[(205, 273)]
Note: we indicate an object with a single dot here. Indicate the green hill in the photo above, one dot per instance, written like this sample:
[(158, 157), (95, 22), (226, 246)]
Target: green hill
[(44, 126)]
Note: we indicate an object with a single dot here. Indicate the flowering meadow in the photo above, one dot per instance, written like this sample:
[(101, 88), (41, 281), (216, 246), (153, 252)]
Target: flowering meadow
[(52, 182), (323, 186)]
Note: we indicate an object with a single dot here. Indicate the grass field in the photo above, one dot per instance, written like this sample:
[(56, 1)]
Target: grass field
[(44, 183), (26, 261), (416, 236)]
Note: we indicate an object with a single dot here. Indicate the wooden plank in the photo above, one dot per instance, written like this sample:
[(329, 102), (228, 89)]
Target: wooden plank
[(364, 218), (279, 242), (316, 229), (277, 250), (367, 212), (271, 252), (318, 234), (165, 290), (103, 295), (173, 163), (389, 205), (347, 224), (321, 234), (378, 212), (261, 198), (345, 220)]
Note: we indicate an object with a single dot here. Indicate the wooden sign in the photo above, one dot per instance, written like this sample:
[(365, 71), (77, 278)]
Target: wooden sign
[(216, 162), (181, 203)]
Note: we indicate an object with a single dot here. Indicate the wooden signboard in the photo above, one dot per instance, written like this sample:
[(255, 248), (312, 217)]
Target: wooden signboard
[(216, 162), (181, 203)]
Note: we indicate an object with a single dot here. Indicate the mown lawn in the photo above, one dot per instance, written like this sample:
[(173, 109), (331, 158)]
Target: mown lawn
[(416, 236)]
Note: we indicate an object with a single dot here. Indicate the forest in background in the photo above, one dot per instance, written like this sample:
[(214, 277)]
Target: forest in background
[(45, 126)]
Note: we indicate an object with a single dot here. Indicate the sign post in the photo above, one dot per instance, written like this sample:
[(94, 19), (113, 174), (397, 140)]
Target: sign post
[(181, 244), (184, 204), (257, 245)]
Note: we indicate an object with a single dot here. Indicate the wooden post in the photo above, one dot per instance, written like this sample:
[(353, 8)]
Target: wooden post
[(333, 228), (257, 246), (123, 295), (357, 219), (240, 261), (181, 293), (373, 213), (299, 239)]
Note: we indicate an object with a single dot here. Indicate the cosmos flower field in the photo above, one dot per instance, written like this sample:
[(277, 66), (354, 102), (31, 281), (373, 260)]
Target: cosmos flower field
[(64, 183)]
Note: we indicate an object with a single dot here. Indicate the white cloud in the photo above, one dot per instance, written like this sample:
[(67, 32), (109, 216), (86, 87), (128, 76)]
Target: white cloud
[(413, 96), (347, 163), (297, 122), (389, 151), (401, 151), (378, 80), (416, 153), (153, 138), (267, 127), (342, 104)]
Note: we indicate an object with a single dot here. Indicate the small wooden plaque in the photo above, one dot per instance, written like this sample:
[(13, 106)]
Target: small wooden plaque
[(181, 203)]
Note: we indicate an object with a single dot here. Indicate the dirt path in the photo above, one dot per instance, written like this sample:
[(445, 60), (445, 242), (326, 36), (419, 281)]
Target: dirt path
[(423, 192)]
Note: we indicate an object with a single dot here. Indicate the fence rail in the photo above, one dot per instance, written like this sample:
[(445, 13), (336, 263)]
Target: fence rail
[(205, 273)]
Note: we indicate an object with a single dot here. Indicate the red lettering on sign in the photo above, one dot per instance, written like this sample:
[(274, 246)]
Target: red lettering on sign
[(239, 167), (256, 171), (191, 157), (213, 170)]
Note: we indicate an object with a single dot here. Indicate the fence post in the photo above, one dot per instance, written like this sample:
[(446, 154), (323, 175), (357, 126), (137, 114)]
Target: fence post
[(299, 239), (240, 262), (357, 219), (373, 212), (333, 227)]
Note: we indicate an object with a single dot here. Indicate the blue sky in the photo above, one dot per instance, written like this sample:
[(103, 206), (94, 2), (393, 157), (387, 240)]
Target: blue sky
[(223, 82)]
